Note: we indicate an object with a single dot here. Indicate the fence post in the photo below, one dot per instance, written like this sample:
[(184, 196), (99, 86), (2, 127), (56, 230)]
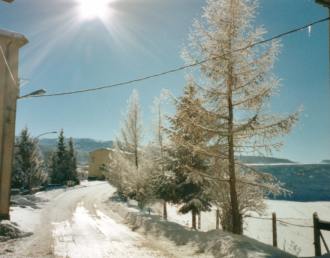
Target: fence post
[(217, 219), (317, 242), (274, 229)]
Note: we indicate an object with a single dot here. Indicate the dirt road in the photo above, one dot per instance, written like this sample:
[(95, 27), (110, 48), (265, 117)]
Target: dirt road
[(78, 223)]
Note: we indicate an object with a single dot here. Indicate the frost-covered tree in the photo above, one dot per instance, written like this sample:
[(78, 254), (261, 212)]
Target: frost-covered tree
[(191, 187), (29, 168), (237, 83), (158, 156), (119, 169), (130, 167), (131, 131), (132, 182)]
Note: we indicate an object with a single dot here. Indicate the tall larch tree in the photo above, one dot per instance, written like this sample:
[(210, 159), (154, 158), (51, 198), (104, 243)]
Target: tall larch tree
[(159, 153), (128, 154), (237, 82), (131, 132)]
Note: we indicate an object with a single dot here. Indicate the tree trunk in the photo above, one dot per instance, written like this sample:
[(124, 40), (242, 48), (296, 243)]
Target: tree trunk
[(136, 158), (199, 216), (164, 210), (232, 184), (193, 219), (29, 183), (231, 169), (217, 219), (236, 221)]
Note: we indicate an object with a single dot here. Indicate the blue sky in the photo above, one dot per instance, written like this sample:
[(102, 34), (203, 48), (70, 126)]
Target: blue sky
[(141, 37)]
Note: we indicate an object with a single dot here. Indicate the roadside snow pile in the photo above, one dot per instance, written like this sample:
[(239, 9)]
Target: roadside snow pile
[(26, 201), (216, 243), (10, 230)]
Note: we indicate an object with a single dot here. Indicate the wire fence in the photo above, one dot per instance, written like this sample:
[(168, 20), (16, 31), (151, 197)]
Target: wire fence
[(283, 222), (317, 226)]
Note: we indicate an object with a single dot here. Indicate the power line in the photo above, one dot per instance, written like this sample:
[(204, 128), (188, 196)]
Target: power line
[(180, 68), (7, 65)]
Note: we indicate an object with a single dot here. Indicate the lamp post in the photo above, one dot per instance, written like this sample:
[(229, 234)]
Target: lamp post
[(32, 94), (43, 134), (36, 138)]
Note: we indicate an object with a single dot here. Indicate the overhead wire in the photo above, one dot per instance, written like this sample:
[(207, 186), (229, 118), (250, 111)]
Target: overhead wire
[(183, 67), (7, 65)]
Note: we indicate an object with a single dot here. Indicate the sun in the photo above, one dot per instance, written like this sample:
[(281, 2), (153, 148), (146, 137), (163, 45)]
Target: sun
[(94, 9)]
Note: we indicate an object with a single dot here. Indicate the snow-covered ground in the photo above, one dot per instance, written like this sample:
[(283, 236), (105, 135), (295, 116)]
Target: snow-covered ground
[(192, 243), (97, 235), (296, 239), (76, 223), (83, 222)]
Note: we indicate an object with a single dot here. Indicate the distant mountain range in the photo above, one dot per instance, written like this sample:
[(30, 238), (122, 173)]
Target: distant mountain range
[(84, 146), (263, 160)]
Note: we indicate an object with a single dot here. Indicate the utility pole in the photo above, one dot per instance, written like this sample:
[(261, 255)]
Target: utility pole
[(10, 42)]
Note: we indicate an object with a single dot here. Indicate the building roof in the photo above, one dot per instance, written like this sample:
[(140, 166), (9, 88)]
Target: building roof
[(14, 36)]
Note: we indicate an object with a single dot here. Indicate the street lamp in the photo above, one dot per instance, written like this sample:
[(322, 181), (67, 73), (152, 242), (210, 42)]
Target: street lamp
[(43, 134), (40, 135), (34, 93)]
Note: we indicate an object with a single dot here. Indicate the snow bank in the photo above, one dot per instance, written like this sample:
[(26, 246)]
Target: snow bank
[(10, 230), (215, 243), (25, 201)]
